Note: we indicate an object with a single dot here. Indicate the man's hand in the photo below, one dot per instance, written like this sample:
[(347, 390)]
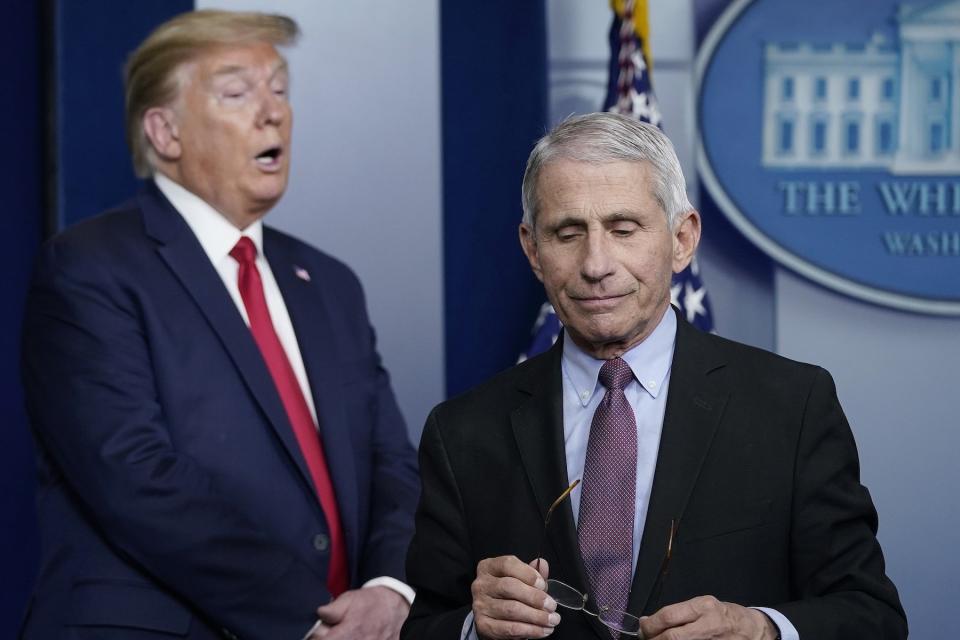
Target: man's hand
[(706, 618), (372, 613), (510, 599)]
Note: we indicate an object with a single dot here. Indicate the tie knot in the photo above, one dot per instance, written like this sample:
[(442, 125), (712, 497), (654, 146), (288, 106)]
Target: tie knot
[(244, 252), (615, 374)]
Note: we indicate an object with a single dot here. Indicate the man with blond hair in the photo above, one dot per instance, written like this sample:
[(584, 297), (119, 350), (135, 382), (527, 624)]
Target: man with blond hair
[(220, 453)]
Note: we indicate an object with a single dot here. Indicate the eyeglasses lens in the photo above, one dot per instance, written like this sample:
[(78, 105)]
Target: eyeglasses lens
[(565, 595), (620, 621)]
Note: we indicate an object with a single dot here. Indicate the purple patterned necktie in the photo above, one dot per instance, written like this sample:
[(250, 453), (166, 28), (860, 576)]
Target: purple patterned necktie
[(608, 500)]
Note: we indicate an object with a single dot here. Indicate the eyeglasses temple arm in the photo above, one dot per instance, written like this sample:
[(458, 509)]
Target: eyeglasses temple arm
[(546, 521)]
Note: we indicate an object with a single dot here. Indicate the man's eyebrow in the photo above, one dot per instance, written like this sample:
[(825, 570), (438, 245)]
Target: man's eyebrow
[(566, 221), (621, 215), (614, 216), (239, 69), (229, 70)]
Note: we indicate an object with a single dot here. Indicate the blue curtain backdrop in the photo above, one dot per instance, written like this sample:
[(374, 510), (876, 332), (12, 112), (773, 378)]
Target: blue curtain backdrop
[(67, 159), (494, 79), (20, 183), (92, 41)]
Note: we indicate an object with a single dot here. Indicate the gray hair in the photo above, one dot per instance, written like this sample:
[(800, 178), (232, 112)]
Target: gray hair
[(599, 138), (150, 75)]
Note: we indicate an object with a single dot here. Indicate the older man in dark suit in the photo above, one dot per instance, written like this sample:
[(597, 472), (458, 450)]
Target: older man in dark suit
[(720, 493), (220, 451)]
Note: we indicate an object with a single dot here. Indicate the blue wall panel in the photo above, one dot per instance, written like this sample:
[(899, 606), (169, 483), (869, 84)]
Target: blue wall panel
[(20, 171), (494, 78), (66, 142), (93, 39)]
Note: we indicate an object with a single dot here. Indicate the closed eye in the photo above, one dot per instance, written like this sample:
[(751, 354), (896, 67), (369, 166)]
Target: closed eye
[(234, 91), (566, 234), (624, 228)]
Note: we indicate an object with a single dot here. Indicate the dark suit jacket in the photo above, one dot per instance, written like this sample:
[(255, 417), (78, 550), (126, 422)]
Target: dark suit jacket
[(756, 462), (173, 496)]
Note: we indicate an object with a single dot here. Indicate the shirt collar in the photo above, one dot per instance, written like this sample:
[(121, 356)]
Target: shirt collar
[(650, 361), (216, 234)]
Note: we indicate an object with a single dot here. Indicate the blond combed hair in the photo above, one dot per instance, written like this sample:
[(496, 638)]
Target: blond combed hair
[(150, 74)]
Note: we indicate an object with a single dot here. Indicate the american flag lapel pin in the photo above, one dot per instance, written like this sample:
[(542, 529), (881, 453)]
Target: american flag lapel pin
[(301, 273)]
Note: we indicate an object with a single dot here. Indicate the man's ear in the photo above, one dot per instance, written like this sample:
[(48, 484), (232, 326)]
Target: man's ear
[(163, 133), (528, 242), (686, 237)]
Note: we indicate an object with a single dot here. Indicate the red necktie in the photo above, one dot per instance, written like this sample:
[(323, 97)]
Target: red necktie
[(251, 290)]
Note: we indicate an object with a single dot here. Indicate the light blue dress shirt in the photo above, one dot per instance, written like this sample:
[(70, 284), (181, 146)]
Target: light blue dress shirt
[(650, 362)]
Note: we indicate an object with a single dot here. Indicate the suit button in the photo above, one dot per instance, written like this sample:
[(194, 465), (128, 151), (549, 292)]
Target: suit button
[(321, 542)]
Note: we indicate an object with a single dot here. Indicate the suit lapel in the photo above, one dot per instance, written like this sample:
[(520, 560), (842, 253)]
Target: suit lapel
[(693, 411), (311, 324), (181, 251), (538, 430)]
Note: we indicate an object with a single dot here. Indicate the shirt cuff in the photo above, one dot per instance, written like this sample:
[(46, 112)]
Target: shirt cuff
[(787, 630), (394, 584), (316, 625), (469, 632)]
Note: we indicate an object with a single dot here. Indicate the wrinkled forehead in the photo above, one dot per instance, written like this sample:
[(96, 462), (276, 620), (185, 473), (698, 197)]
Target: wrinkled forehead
[(598, 179), (600, 173), (253, 60)]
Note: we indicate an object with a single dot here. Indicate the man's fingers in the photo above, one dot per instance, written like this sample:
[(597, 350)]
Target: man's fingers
[(513, 589), (371, 613), (539, 612), (541, 565), (333, 612), (499, 630), (510, 601), (511, 567), (676, 615), (498, 618), (318, 631), (707, 617)]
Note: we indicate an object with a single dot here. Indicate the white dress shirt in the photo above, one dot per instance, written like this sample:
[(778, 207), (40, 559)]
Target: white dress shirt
[(218, 236)]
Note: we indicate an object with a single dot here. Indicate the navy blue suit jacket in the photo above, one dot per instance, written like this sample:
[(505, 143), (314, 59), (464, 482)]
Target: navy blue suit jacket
[(173, 497)]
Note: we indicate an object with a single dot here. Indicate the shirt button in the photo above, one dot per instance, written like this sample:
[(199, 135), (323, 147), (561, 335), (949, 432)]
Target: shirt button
[(321, 542)]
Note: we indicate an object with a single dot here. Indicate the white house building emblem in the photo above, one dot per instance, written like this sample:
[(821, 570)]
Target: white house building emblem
[(828, 136)]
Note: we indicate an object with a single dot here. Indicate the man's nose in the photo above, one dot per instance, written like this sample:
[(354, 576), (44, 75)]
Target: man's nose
[(597, 262), (273, 107)]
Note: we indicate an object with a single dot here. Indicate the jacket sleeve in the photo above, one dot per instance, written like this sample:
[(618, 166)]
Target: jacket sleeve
[(394, 485), (439, 562), (837, 566)]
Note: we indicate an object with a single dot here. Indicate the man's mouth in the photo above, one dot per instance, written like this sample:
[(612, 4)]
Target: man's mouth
[(591, 298), (269, 158), (598, 302)]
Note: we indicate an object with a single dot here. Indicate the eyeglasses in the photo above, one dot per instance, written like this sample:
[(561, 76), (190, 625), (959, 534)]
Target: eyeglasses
[(571, 598)]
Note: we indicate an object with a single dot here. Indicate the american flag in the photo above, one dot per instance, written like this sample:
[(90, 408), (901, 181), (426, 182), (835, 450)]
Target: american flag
[(630, 92)]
